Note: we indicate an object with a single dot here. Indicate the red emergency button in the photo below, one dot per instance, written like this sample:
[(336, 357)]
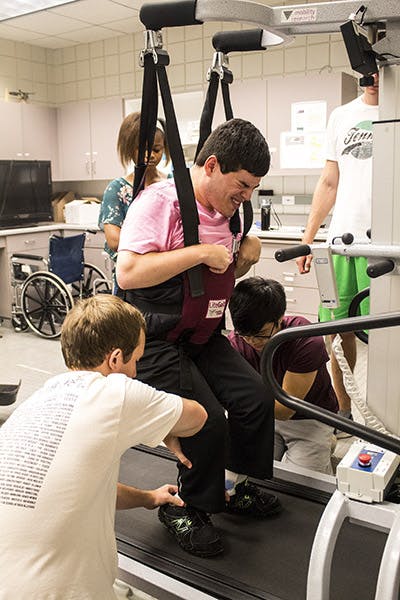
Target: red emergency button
[(364, 460)]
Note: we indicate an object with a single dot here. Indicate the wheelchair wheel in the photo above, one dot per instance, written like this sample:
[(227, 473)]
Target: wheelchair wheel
[(45, 301), (91, 273)]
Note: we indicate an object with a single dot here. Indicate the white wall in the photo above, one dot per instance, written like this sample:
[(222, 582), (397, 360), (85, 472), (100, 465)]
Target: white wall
[(109, 68)]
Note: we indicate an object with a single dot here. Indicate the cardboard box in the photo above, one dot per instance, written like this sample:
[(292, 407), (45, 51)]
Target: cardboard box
[(58, 203), (82, 212)]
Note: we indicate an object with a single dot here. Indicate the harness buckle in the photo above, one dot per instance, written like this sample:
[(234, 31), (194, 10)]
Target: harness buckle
[(153, 43), (220, 65)]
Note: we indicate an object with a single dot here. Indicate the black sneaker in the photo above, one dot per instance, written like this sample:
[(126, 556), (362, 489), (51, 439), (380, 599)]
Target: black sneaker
[(251, 500), (192, 529)]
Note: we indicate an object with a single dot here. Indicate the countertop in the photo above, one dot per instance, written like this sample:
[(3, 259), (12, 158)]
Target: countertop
[(289, 232), (47, 227)]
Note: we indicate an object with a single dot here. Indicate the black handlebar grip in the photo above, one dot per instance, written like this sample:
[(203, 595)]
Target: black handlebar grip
[(347, 238), (238, 41), (380, 268), (157, 15), (292, 252)]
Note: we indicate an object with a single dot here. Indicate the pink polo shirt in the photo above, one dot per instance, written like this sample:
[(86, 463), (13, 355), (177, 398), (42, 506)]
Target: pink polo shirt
[(154, 224)]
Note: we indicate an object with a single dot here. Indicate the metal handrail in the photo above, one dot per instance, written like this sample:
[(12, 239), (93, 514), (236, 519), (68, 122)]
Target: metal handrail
[(311, 410)]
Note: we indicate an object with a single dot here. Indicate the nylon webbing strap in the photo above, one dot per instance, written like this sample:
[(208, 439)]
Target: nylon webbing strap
[(206, 120), (183, 182), (148, 119), (227, 100), (207, 114)]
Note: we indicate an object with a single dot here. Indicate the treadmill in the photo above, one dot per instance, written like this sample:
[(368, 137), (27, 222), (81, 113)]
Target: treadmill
[(264, 559), (267, 559)]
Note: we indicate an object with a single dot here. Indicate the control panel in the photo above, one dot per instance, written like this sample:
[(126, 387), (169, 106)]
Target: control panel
[(366, 472)]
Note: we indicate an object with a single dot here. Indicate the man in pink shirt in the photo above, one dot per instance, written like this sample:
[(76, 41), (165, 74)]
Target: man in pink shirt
[(185, 349)]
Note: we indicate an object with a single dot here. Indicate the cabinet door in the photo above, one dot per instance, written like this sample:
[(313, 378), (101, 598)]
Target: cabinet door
[(11, 131), (73, 122), (39, 131), (105, 121)]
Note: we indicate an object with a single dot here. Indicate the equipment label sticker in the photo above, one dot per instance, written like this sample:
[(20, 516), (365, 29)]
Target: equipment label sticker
[(215, 309), (299, 15)]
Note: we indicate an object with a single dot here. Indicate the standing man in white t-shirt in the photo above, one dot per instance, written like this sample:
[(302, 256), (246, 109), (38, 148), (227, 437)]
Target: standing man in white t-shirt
[(60, 454), (346, 185)]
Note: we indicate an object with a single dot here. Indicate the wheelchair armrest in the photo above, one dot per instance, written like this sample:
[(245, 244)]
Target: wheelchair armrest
[(27, 256)]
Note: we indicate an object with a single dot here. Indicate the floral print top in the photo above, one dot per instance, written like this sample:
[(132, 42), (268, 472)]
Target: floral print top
[(116, 200)]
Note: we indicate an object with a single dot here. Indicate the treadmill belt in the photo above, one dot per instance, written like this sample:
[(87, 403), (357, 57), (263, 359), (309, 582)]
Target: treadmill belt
[(265, 559)]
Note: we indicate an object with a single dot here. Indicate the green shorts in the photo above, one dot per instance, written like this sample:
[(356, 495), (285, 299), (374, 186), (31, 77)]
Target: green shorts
[(351, 278)]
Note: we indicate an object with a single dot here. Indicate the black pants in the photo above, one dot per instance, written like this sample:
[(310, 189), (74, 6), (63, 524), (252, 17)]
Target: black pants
[(219, 378)]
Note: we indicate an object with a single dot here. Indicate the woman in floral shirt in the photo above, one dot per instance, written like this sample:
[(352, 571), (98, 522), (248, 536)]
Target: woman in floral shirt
[(118, 194)]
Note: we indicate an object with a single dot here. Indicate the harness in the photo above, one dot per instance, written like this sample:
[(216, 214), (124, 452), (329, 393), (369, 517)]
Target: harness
[(154, 59)]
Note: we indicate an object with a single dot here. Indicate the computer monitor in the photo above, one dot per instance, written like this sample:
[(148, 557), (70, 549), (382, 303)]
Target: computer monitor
[(25, 192)]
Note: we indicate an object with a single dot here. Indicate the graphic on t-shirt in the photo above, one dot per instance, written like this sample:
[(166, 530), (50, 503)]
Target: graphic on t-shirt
[(358, 141), (30, 439)]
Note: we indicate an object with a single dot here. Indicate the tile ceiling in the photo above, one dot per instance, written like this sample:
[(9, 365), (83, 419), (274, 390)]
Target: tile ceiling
[(75, 23), (79, 22)]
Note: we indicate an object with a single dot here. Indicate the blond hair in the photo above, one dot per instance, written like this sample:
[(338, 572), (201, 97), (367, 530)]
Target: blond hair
[(128, 138), (96, 326)]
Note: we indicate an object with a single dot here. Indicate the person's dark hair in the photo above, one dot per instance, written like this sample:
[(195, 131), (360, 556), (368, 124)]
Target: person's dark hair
[(237, 144), (254, 302), (128, 138)]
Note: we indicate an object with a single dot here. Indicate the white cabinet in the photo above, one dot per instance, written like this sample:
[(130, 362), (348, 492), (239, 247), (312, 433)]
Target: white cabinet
[(87, 138), (29, 242), (28, 131), (302, 296)]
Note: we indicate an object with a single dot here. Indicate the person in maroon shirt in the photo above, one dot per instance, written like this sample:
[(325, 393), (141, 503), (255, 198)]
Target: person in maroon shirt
[(257, 308)]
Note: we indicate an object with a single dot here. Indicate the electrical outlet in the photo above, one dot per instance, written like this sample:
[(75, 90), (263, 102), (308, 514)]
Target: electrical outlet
[(288, 200)]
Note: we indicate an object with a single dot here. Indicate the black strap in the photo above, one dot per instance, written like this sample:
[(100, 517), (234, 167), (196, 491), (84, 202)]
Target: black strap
[(183, 182), (148, 118), (206, 120), (207, 114), (226, 99)]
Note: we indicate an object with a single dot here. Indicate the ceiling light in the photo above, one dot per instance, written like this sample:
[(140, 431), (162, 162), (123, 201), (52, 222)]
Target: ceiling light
[(15, 8)]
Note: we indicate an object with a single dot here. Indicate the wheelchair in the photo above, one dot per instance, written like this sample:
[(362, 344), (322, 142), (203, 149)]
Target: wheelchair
[(44, 290)]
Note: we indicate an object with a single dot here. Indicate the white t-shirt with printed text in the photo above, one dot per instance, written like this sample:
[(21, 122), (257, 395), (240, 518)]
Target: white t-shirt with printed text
[(349, 143), (59, 462)]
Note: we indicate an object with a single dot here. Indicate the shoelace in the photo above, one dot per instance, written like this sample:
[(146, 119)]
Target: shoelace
[(198, 516), (255, 494)]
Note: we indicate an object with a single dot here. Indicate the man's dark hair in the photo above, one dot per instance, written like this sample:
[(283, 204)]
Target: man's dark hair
[(254, 302), (237, 144)]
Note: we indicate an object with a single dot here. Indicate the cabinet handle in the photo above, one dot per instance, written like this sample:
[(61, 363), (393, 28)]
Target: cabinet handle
[(289, 279), (291, 300), (29, 242), (87, 163), (93, 167), (289, 274)]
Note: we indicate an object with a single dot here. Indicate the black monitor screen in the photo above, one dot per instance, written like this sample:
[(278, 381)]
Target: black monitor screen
[(25, 192)]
